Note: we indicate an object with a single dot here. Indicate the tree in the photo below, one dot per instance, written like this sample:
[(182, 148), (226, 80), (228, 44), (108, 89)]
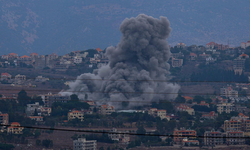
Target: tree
[(47, 143), (74, 97), (23, 98), (180, 99), (141, 130), (38, 142)]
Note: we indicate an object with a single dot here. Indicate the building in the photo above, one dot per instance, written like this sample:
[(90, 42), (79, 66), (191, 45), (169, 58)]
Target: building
[(41, 79), (232, 125), (77, 60), (225, 107), (243, 56), (213, 138), (4, 119), (187, 142), (177, 55), (181, 45), (36, 118), (177, 62), (179, 135), (107, 109), (203, 103), (119, 136), (83, 144), (244, 45), (238, 123), (12, 56), (5, 76), (76, 114), (213, 45), (235, 138), (228, 92), (211, 115), (31, 108), (34, 55), (159, 113), (53, 56), (238, 65), (19, 79), (192, 56), (58, 98), (186, 108), (45, 111), (15, 128)]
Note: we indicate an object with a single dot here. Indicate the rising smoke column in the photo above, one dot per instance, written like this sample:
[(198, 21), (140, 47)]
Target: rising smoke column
[(135, 66)]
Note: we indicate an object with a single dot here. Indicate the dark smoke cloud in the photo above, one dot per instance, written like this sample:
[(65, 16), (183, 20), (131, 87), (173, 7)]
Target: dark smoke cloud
[(142, 54)]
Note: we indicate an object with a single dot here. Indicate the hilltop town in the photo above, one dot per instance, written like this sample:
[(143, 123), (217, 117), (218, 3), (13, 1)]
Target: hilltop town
[(211, 110)]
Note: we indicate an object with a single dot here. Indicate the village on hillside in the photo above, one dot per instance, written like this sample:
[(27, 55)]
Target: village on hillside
[(211, 110)]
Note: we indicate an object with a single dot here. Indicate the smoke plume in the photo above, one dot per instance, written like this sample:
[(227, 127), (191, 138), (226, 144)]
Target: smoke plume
[(137, 71)]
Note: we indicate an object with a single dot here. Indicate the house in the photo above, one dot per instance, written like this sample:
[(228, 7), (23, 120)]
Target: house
[(6, 57), (244, 45), (31, 108), (76, 114), (159, 113), (99, 50), (121, 137), (34, 55), (4, 119), (235, 138), (238, 65), (53, 56), (12, 56), (192, 56), (41, 79), (179, 135), (225, 107), (243, 56), (211, 115), (107, 109), (177, 62), (188, 98), (5, 76), (186, 108), (203, 103), (36, 118), (181, 45), (213, 138), (213, 45), (228, 92), (83, 144), (177, 55), (77, 60), (187, 142), (15, 128), (19, 79), (45, 111)]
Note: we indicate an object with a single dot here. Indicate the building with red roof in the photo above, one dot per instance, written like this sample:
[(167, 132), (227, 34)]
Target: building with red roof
[(244, 45), (211, 115), (15, 128), (213, 138), (192, 56), (107, 109), (243, 56), (186, 108), (235, 138), (76, 114), (99, 50), (34, 55), (179, 135), (5, 76)]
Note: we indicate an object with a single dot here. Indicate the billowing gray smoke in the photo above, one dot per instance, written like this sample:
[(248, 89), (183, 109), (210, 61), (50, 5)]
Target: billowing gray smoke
[(137, 71)]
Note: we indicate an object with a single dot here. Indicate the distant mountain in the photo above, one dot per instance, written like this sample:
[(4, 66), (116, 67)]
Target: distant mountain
[(61, 26)]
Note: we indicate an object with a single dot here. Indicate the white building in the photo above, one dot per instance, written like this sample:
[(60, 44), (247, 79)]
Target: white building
[(77, 60), (83, 144), (245, 45)]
